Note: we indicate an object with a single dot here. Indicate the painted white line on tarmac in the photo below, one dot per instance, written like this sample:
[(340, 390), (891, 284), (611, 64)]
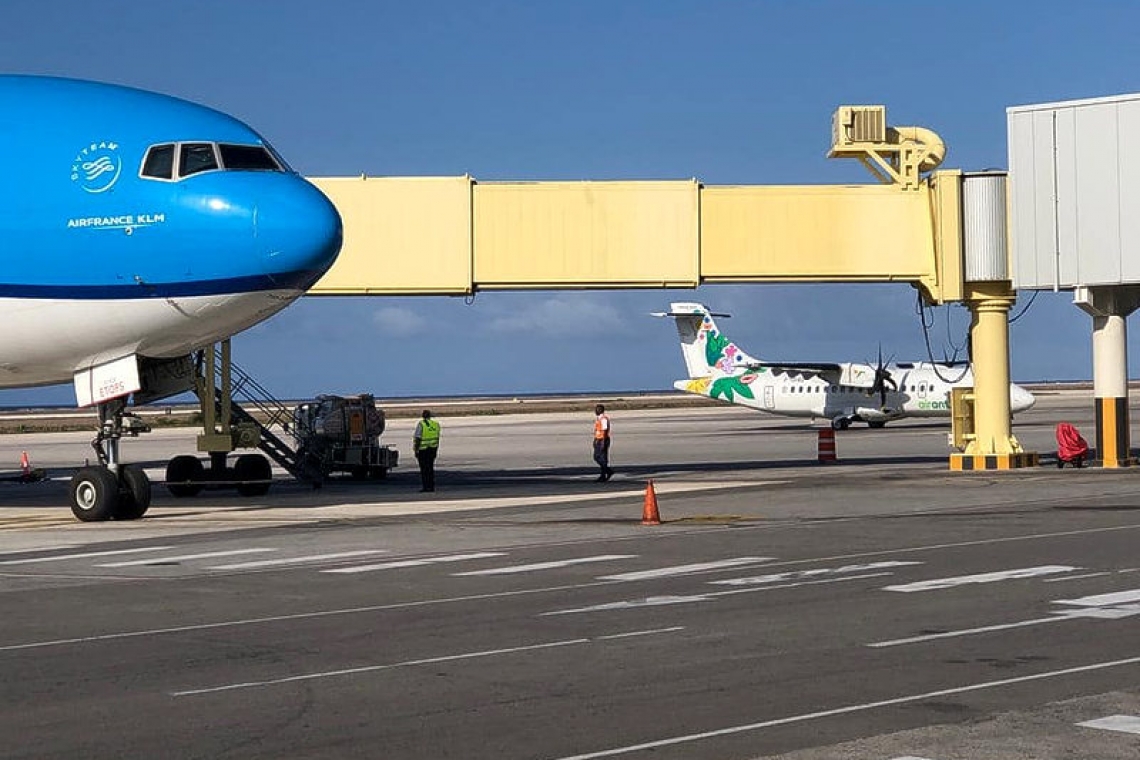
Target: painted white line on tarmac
[(34, 549), (1104, 600), (631, 604), (665, 572), (966, 632), (813, 573), (937, 584), (434, 506), (633, 634), (510, 569), (848, 709), (413, 663), (85, 555), (414, 562), (658, 601), (464, 598), (182, 557), (1129, 724), (1113, 606), (1075, 577), (296, 560)]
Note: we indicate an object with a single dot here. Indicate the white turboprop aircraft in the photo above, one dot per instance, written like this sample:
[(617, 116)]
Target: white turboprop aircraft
[(842, 392)]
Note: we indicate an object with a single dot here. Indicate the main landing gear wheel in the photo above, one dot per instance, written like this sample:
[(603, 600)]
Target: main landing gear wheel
[(252, 467), (94, 494), (840, 423), (184, 476), (134, 493)]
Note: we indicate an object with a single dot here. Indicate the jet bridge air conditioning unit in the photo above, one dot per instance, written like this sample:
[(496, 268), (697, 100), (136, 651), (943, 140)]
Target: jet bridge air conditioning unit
[(858, 124)]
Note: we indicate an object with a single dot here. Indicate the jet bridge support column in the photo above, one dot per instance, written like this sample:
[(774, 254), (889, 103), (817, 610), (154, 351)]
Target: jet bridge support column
[(1109, 307), (988, 294), (993, 447)]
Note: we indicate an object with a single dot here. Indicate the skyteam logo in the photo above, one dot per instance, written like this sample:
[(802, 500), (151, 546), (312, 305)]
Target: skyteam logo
[(96, 168)]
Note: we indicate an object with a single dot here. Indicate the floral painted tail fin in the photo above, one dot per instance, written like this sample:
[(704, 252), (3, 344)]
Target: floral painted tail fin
[(706, 350)]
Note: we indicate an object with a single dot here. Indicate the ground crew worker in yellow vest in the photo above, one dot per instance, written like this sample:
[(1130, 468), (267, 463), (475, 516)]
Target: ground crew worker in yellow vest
[(426, 445), (602, 443)]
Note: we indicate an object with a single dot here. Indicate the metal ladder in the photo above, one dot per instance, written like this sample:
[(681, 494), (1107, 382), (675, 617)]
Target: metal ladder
[(230, 419)]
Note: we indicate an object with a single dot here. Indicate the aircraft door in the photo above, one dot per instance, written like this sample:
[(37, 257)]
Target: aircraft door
[(769, 397)]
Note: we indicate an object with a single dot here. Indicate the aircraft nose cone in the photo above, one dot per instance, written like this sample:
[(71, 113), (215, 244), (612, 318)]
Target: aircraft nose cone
[(299, 231), (1020, 399)]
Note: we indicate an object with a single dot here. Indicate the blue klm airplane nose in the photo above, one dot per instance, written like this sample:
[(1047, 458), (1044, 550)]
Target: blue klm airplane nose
[(298, 231)]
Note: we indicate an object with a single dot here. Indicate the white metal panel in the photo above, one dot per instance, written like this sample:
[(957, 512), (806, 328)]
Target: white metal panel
[(1075, 193), (984, 219), (1096, 194), (1023, 195), (1129, 207), (1065, 159), (1044, 208)]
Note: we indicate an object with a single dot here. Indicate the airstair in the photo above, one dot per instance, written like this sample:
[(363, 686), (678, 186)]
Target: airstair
[(260, 421)]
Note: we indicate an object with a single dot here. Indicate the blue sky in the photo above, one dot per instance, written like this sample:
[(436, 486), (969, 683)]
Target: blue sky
[(727, 92)]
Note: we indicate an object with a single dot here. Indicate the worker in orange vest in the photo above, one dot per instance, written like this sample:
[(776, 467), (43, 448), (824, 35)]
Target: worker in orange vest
[(602, 443)]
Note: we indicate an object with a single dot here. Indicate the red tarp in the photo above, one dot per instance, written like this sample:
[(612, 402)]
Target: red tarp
[(1070, 444)]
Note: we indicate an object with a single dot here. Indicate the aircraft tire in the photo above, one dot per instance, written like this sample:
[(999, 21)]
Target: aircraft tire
[(877, 424), (134, 493), (184, 474), (840, 423), (94, 494), (252, 467)]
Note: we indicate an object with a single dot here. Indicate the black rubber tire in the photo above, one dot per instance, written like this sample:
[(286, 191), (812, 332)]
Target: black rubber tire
[(134, 493), (184, 474), (840, 423), (877, 424), (94, 494), (252, 467)]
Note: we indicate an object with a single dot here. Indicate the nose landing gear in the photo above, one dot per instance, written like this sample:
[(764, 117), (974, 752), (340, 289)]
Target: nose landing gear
[(110, 490)]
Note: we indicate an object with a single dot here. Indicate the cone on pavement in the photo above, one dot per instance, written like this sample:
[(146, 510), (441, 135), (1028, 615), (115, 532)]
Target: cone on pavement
[(826, 445), (649, 514), (25, 466)]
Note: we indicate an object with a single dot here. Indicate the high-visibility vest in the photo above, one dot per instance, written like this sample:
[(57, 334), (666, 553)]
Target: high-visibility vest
[(601, 427), (429, 434)]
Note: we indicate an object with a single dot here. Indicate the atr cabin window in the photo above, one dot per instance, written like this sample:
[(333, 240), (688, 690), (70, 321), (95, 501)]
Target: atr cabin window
[(196, 157), (159, 162), (248, 157)]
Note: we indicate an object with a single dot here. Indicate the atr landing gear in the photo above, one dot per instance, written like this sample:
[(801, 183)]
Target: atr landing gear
[(110, 490)]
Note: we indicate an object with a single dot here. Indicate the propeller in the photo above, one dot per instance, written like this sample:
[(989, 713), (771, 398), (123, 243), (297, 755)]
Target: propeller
[(882, 380)]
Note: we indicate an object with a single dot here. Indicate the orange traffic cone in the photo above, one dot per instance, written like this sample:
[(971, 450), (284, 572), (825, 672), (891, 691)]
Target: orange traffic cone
[(25, 467), (826, 446), (649, 514)]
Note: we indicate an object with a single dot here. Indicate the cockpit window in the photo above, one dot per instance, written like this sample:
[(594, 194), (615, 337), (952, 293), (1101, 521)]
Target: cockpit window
[(247, 157), (196, 157), (159, 162)]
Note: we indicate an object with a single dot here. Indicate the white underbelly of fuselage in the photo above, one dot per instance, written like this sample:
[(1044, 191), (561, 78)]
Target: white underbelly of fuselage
[(44, 341)]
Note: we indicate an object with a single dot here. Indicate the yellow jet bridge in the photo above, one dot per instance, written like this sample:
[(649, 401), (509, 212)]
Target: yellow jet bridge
[(456, 236)]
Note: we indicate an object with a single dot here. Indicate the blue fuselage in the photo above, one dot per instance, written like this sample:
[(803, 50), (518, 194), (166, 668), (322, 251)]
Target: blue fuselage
[(133, 222)]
